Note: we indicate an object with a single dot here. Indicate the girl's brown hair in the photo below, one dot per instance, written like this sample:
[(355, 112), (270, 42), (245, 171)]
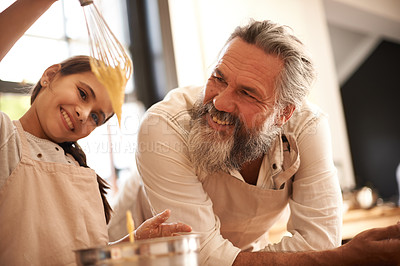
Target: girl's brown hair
[(75, 65)]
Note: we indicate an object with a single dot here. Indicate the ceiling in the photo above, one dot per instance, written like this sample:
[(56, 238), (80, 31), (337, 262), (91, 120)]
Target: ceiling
[(356, 27)]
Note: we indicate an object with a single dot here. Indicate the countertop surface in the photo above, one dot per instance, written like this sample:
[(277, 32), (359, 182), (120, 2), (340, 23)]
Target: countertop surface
[(354, 221)]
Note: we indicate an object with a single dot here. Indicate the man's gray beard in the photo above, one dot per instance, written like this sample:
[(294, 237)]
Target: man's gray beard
[(212, 151)]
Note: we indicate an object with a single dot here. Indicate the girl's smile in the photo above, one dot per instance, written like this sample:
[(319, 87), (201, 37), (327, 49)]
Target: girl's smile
[(67, 120)]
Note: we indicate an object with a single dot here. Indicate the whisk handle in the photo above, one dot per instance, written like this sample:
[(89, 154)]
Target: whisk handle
[(85, 2)]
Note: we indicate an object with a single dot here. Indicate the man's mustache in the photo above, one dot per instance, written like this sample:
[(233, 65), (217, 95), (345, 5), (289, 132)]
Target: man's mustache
[(220, 115)]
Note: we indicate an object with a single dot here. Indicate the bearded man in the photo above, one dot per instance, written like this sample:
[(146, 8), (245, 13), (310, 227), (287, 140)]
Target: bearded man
[(229, 158)]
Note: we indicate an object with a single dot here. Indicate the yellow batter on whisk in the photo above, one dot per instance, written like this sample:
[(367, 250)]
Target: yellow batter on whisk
[(114, 79), (109, 61)]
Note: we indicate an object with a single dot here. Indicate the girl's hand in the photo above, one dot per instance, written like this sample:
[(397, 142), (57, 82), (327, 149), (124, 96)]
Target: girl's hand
[(156, 227)]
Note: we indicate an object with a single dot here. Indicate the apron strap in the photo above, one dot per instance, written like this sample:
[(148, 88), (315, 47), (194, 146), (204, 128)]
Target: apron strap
[(288, 152), (25, 150)]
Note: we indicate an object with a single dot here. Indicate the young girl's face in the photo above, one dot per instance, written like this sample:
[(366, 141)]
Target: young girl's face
[(70, 107)]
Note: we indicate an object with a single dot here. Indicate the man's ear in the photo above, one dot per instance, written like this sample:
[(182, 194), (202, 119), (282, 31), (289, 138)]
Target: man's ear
[(285, 115), (49, 74)]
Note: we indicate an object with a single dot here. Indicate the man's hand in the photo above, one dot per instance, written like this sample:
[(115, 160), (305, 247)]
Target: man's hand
[(156, 227), (378, 246)]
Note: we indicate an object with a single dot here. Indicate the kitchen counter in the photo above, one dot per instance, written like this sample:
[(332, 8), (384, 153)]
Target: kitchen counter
[(354, 222)]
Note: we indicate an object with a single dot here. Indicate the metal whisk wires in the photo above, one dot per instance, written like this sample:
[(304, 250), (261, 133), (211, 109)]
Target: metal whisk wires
[(110, 63)]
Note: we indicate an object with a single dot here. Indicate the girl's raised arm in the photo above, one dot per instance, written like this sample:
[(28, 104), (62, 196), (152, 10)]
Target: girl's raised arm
[(17, 19)]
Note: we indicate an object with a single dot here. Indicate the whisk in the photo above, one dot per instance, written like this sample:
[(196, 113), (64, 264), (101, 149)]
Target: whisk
[(109, 60)]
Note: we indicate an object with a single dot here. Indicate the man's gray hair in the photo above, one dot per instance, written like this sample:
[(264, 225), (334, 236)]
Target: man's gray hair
[(298, 74)]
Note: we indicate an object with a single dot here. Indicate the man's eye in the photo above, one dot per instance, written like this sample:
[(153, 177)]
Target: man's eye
[(219, 79), (247, 94), (95, 118), (82, 93)]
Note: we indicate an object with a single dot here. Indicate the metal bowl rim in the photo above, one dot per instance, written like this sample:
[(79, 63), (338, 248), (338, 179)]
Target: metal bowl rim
[(167, 239)]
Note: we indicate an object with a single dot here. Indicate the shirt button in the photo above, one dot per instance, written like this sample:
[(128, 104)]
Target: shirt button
[(39, 155), (274, 166)]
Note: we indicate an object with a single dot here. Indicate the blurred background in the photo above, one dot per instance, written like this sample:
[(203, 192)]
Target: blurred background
[(355, 45)]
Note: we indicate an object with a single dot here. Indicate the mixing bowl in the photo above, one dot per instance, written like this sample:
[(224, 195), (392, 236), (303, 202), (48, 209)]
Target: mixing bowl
[(177, 250)]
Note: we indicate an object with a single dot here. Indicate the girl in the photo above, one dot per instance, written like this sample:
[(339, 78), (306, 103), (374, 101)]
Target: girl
[(51, 203)]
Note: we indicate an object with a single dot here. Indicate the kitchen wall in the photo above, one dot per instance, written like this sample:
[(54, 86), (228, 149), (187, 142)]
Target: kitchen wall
[(365, 38)]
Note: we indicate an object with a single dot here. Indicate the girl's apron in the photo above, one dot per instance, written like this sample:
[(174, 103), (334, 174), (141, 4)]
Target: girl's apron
[(48, 210), (247, 212)]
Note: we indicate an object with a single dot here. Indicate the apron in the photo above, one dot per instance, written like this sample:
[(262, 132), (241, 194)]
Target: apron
[(48, 210), (247, 212)]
